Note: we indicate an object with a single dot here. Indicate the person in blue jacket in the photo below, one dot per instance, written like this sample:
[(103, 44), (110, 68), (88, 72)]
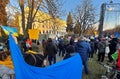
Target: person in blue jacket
[(83, 48)]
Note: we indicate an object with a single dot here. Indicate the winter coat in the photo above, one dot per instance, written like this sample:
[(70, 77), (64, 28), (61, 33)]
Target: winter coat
[(118, 62), (61, 44), (113, 45), (83, 48), (96, 44), (101, 46), (92, 45), (51, 48), (67, 56), (70, 49)]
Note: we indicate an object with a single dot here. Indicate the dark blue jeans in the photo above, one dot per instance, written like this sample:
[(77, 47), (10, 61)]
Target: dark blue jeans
[(51, 58), (85, 67), (84, 62), (62, 51)]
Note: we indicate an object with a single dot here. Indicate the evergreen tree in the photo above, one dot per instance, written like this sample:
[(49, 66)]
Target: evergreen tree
[(69, 23), (76, 29)]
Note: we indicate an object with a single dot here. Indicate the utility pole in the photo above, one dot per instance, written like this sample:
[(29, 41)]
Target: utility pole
[(101, 21), (106, 7)]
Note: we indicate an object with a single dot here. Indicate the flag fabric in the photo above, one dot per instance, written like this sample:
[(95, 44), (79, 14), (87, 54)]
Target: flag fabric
[(33, 34), (116, 34), (70, 68), (115, 55), (9, 30)]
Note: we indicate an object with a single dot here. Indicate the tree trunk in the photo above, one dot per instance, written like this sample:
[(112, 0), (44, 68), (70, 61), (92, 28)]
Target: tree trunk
[(21, 4), (23, 20)]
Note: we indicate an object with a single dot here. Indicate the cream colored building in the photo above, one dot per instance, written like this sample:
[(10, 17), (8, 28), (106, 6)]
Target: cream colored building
[(46, 24)]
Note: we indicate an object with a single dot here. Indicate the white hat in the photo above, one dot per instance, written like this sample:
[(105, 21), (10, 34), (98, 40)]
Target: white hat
[(91, 37)]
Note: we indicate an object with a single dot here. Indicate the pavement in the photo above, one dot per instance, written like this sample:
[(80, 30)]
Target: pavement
[(7, 70), (6, 73)]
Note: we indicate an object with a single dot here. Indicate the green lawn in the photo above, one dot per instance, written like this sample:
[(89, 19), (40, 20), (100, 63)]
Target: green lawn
[(95, 69)]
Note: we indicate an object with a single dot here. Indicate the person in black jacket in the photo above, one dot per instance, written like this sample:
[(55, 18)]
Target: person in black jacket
[(51, 51), (70, 49), (92, 45), (112, 46)]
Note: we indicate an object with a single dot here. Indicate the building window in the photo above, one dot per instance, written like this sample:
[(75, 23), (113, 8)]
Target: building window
[(39, 32), (51, 32), (57, 32), (47, 32), (43, 31)]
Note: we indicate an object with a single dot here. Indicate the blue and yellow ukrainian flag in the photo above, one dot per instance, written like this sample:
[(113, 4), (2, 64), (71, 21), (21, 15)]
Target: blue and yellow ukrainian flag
[(9, 30), (70, 68)]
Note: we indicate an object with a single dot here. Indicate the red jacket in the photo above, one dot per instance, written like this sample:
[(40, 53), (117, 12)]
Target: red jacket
[(118, 62), (29, 42)]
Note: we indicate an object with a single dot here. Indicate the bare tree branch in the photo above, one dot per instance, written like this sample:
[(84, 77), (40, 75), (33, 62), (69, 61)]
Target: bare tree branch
[(85, 15)]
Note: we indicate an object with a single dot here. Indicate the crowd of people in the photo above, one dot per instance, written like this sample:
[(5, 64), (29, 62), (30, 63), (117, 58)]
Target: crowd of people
[(65, 47), (86, 46)]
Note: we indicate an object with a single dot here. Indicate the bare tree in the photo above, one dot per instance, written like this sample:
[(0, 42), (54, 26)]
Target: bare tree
[(55, 10), (113, 30), (91, 31), (85, 15), (51, 6), (33, 6), (117, 28), (3, 14)]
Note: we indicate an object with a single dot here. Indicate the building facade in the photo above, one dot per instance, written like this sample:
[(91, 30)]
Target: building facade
[(45, 24)]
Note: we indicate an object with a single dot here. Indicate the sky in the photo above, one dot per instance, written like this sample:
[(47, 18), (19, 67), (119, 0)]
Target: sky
[(70, 5)]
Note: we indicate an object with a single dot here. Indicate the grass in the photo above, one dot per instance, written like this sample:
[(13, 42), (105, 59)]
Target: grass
[(95, 69)]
